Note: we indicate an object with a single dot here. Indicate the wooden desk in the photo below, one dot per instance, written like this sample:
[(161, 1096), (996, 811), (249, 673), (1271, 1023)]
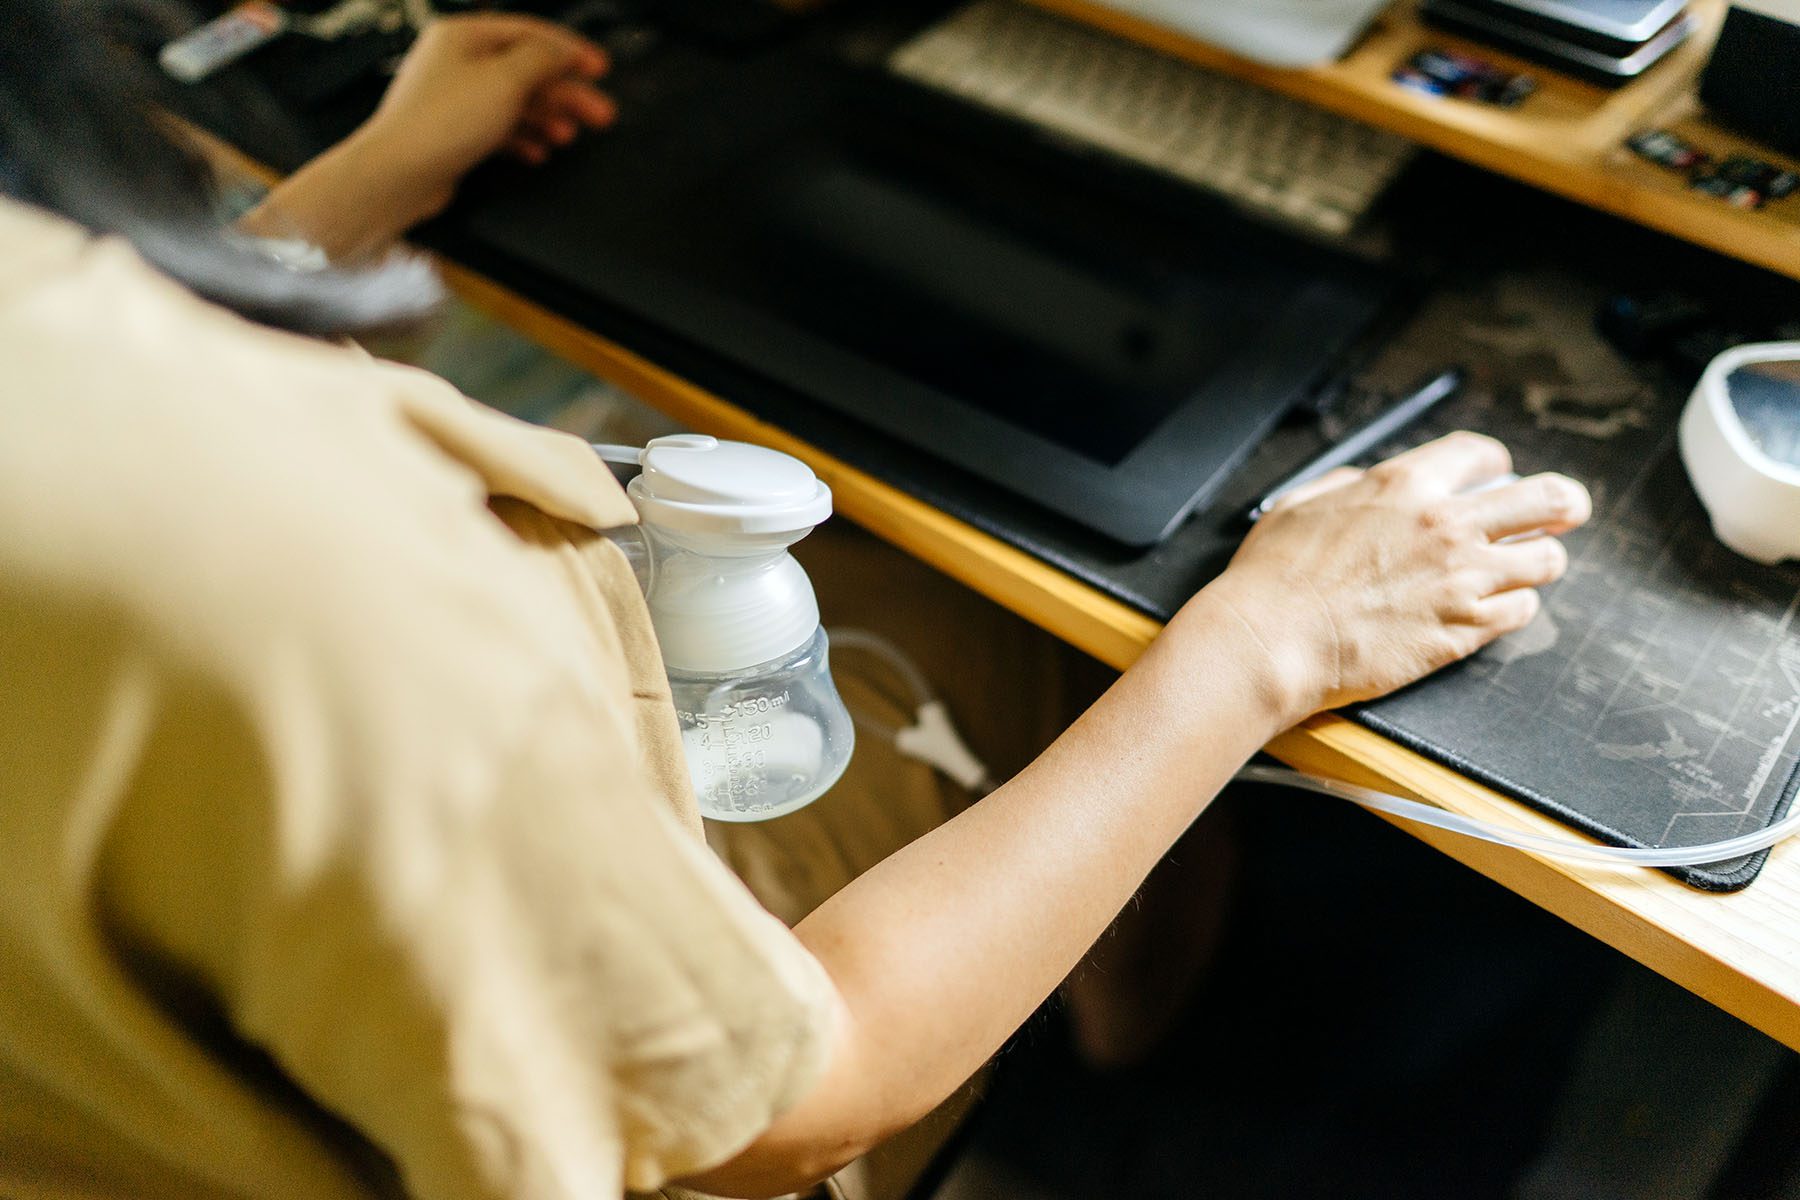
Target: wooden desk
[(1568, 138), (1739, 951)]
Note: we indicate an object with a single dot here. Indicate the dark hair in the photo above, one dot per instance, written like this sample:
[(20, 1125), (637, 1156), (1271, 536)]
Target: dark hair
[(77, 137)]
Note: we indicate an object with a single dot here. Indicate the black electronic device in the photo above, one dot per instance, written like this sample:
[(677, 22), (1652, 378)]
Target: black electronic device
[(1013, 306), (1752, 81), (1608, 42), (1615, 27), (1360, 442)]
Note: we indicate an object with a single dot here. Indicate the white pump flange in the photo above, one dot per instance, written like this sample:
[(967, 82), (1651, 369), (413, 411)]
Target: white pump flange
[(695, 484), (720, 516)]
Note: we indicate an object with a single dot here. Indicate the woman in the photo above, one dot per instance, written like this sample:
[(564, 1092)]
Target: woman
[(345, 844)]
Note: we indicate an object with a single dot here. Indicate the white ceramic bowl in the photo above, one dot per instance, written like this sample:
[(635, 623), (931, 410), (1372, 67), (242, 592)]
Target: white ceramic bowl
[(1753, 499)]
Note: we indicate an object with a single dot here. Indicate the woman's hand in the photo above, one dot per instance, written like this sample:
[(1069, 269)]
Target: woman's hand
[(474, 85), (469, 87), (1364, 581)]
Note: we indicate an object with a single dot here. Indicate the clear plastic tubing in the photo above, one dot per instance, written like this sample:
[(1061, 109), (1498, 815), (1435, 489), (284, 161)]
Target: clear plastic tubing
[(1549, 847), (844, 638)]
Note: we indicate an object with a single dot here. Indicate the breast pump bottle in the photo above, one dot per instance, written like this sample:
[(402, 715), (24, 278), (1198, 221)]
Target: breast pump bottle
[(762, 725)]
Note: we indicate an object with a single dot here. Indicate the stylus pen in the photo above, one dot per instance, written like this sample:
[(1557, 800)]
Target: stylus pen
[(1396, 420)]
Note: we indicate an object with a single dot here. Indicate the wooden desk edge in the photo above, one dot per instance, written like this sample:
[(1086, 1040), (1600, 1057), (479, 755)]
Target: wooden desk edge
[(1116, 635)]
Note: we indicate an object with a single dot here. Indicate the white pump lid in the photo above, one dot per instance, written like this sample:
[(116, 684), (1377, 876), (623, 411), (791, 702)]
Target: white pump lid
[(725, 594), (695, 484)]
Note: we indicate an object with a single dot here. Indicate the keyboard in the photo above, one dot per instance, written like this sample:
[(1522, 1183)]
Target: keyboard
[(1266, 151)]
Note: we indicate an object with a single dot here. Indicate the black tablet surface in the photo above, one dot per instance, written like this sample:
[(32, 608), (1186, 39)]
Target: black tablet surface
[(1048, 320)]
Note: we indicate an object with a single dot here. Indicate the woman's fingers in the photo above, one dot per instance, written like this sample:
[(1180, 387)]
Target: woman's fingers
[(1450, 464), (1331, 481), (1508, 612), (578, 100), (554, 49), (550, 129), (556, 116), (1527, 564), (528, 149), (539, 59), (1547, 503), (560, 110)]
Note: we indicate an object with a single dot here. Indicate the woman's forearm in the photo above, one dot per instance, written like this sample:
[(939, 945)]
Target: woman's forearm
[(349, 202), (1354, 585), (943, 949)]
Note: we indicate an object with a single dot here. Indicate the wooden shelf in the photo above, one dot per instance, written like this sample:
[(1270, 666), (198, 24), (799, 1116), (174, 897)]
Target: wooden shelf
[(1567, 138)]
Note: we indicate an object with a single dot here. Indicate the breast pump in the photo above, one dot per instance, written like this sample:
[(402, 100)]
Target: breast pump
[(762, 725)]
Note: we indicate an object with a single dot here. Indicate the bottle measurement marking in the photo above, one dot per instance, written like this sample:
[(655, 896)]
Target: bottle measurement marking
[(753, 706)]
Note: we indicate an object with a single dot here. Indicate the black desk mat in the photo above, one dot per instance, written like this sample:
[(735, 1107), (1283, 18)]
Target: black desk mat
[(1657, 698)]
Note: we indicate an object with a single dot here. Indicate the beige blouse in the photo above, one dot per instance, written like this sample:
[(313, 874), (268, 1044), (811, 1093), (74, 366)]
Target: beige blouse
[(345, 843)]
